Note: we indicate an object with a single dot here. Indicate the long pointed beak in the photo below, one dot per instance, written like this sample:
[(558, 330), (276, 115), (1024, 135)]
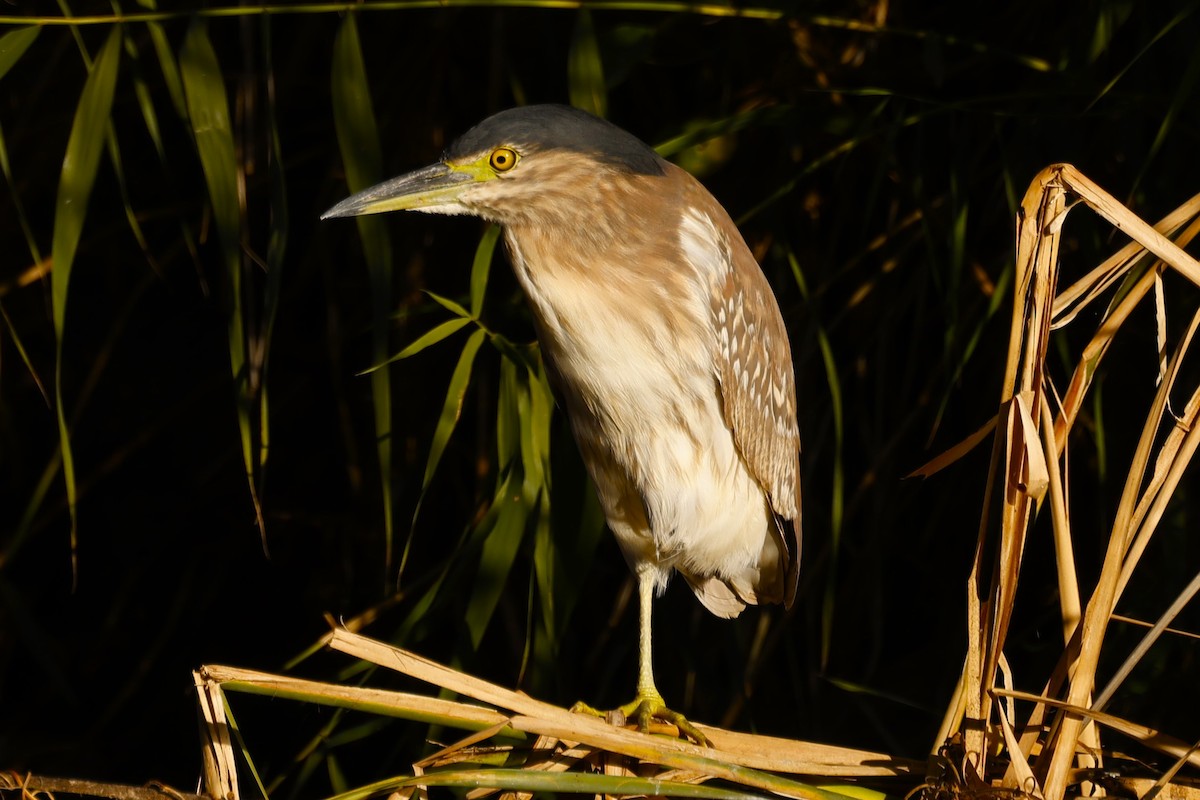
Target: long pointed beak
[(435, 188)]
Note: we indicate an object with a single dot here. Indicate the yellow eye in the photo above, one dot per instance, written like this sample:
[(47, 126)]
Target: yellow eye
[(503, 159)]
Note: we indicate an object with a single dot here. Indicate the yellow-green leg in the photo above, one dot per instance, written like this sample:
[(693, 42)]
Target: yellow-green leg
[(649, 704)]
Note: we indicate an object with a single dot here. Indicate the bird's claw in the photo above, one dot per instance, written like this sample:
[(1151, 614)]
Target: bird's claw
[(645, 709)]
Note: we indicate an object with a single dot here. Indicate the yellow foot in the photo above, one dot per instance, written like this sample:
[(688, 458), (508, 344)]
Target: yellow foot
[(646, 708)]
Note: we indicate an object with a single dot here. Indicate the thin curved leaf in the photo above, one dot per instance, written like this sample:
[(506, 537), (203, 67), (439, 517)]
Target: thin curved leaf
[(481, 267), (14, 44), (208, 111), (74, 190), (500, 547), (169, 67), (276, 245), (570, 783), (358, 140), (452, 407), (429, 338), (585, 71), (450, 305), (451, 410)]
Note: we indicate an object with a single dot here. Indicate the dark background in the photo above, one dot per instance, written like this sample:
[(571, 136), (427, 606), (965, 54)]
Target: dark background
[(884, 145)]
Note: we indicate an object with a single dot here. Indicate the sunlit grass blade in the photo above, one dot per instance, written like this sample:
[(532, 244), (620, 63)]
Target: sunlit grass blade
[(541, 641), (481, 268), (517, 503), (451, 411), (358, 140), (452, 306), (74, 191), (546, 558), (208, 111), (427, 339), (535, 426), (501, 541), (243, 748), (573, 783), (585, 71), (111, 143), (452, 407)]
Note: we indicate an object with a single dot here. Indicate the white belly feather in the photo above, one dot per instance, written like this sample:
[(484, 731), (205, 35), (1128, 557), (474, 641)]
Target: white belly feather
[(643, 400)]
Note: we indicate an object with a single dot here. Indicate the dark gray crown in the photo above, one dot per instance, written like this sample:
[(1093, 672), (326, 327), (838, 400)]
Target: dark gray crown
[(532, 129)]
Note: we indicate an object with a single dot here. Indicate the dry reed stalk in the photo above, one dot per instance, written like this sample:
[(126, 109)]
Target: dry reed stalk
[(1029, 465), (564, 740)]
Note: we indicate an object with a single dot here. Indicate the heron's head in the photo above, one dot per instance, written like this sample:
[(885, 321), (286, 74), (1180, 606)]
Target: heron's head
[(536, 165)]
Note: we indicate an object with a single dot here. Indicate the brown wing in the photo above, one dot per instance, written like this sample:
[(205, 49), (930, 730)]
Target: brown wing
[(758, 387)]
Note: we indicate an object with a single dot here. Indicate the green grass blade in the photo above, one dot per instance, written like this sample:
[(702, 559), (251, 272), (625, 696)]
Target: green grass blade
[(838, 499), (17, 538), (145, 101), (452, 407), (74, 190), (79, 170), (572, 783), (451, 410), (22, 218), (541, 407), (358, 140), (276, 244), (23, 353), (14, 44), (135, 227), (241, 742), (500, 550), (578, 530), (546, 568), (536, 459), (585, 71), (208, 111), (516, 499), (450, 305), (169, 67), (429, 338), (481, 268)]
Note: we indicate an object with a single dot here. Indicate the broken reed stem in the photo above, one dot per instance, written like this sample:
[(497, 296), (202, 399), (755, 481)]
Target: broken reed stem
[(1032, 439), (990, 608)]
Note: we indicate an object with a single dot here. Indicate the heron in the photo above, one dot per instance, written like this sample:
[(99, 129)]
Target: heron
[(663, 341)]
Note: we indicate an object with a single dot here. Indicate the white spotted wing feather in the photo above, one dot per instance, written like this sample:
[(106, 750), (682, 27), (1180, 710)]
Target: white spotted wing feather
[(754, 371)]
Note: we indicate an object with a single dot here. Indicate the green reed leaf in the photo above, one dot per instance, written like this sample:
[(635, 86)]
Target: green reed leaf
[(78, 176), (358, 140), (208, 111)]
